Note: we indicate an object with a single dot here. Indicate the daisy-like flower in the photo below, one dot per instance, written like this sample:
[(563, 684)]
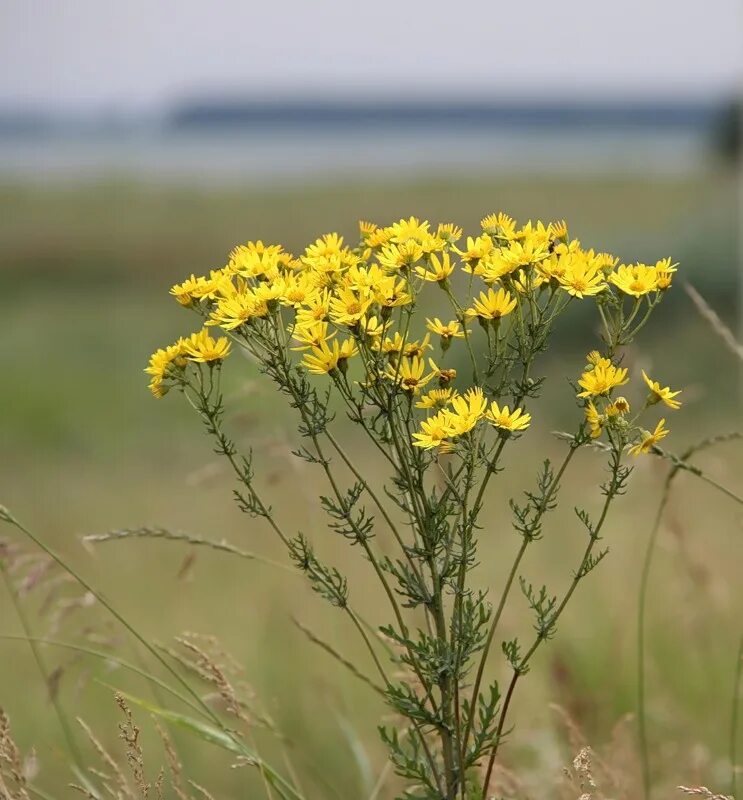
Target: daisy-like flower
[(297, 288), (366, 229), (392, 293), (445, 330), (202, 348), (434, 431), (507, 420), (581, 278), (636, 280), (649, 440), (254, 259), (348, 307), (395, 257), (594, 420), (379, 237), (601, 379), (664, 270), (494, 266), (492, 305), (417, 349), (559, 229), (409, 374), (618, 408), (310, 334), (475, 250), (161, 365), (331, 244), (323, 359), (532, 250), (365, 279), (443, 376), (371, 328), (500, 225), (594, 358), (438, 271), (407, 229), (188, 291), (234, 311), (661, 394), (436, 398), (467, 410), (448, 232)]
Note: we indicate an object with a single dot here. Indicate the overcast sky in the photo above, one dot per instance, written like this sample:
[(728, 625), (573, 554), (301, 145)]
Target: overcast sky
[(146, 52)]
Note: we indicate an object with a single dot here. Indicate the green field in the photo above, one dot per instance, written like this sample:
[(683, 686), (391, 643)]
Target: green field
[(85, 273)]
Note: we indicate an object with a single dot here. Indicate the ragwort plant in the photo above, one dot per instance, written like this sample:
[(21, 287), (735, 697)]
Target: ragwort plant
[(343, 327)]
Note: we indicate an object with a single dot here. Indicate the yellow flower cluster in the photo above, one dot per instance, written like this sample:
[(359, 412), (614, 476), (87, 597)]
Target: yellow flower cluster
[(598, 381), (170, 361), (335, 304)]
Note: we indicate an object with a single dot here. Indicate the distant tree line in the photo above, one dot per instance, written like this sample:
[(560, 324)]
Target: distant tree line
[(728, 131)]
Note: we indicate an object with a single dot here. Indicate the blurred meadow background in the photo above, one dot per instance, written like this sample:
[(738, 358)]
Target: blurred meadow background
[(139, 145)]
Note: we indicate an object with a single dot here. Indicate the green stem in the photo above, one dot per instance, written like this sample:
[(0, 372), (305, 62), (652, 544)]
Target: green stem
[(507, 589), (642, 597), (735, 706), (524, 662), (53, 696)]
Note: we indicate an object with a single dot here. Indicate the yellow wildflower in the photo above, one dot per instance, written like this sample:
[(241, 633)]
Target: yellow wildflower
[(658, 393), (366, 229), (417, 349), (254, 260), (297, 289), (202, 348), (316, 308), (581, 278), (619, 407), (408, 373), (475, 250), (192, 288), (348, 307), (311, 334), (636, 280), (371, 327), (467, 411), (492, 305), (594, 358), (161, 364), (234, 311), (559, 229), (495, 265), (365, 279), (594, 420), (407, 229), (436, 398), (443, 376), (664, 270), (507, 420), (323, 359), (379, 237), (392, 293), (531, 251), (649, 440), (438, 270), (397, 256), (448, 232), (601, 379), (500, 225), (434, 431), (447, 331)]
